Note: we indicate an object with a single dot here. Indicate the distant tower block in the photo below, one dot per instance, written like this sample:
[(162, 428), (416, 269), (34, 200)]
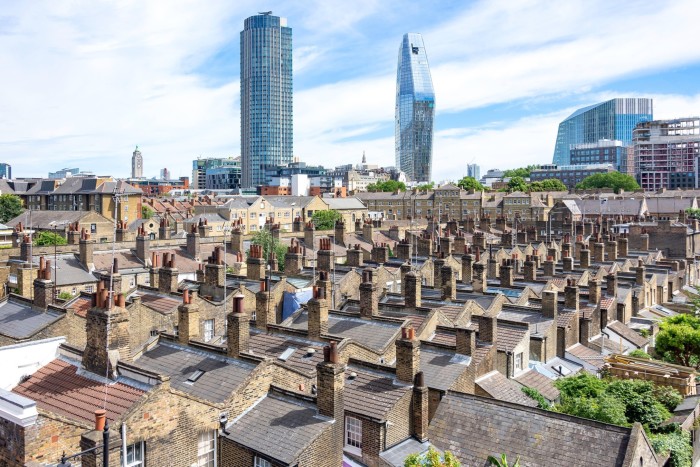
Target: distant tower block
[(136, 164)]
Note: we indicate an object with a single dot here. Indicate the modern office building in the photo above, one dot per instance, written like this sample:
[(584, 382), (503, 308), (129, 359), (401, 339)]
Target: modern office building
[(5, 171), (415, 110), (602, 152), (201, 165), (614, 120), (666, 153), (569, 175), (223, 177), (63, 173), (474, 171), (136, 164), (266, 96)]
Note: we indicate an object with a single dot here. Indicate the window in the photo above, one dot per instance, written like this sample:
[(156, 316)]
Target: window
[(208, 330), (353, 435), (93, 228), (518, 361), (88, 288), (206, 449), (260, 462), (135, 455)]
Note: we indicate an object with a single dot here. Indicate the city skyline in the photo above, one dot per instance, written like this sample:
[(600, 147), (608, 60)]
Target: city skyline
[(167, 79)]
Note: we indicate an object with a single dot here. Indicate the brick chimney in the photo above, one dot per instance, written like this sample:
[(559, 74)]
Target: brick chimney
[(467, 263), (238, 329), (549, 304), (488, 329), (340, 232), (479, 278), (611, 247), (598, 251), (585, 259), (113, 278), (380, 253), (571, 295), (438, 263), (193, 247), (43, 285), (325, 256), (255, 263), (506, 273), (317, 314), (466, 341), (412, 290), (309, 234), (594, 293), (143, 245), (493, 268), (403, 250), (153, 271), (214, 271), (164, 229), (611, 285), (73, 233), (168, 274), (529, 269), (644, 240), (330, 382), (265, 312), (420, 408), (86, 248), (204, 228), (25, 249), (187, 319), (237, 236), (293, 259), (369, 296), (354, 254), (549, 267), (449, 283), (640, 273), (407, 355), (368, 231), (104, 349), (460, 243), (446, 245), (623, 245), (568, 263)]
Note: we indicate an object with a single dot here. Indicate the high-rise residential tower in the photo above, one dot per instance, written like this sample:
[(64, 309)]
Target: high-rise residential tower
[(614, 120), (266, 96), (136, 164), (415, 109)]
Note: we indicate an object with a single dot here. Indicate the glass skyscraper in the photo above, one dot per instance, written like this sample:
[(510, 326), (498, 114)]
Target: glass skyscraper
[(613, 120), (266, 96), (415, 109)]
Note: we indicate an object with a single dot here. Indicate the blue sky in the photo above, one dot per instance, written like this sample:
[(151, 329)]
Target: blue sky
[(83, 82)]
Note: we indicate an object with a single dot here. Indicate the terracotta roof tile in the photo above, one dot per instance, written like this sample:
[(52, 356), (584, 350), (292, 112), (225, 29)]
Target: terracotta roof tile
[(57, 388), (159, 303), (81, 305)]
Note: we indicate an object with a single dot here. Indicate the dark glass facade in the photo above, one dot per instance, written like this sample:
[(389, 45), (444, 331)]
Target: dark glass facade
[(415, 110), (266, 96), (613, 120)]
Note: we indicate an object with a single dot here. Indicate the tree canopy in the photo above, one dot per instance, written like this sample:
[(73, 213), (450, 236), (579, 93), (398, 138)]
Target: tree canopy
[(146, 212), (549, 184), (614, 180), (678, 340), (470, 183), (517, 184), (432, 458), (522, 172), (10, 207), (426, 186), (387, 185), (45, 238), (265, 239), (325, 220)]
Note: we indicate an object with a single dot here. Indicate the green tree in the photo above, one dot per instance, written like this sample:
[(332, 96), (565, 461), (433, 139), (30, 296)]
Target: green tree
[(580, 385), (676, 444), (678, 340), (502, 461), (517, 184), (549, 184), (535, 395), (639, 353), (614, 180), (432, 458), (146, 212), (46, 237), (10, 207), (387, 185), (470, 183), (65, 295), (522, 172), (604, 408), (325, 220), (426, 186), (265, 239), (668, 396)]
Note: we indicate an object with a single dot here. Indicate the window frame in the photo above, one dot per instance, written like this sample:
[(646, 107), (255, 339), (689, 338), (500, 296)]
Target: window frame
[(138, 462), (261, 462), (352, 431), (202, 456)]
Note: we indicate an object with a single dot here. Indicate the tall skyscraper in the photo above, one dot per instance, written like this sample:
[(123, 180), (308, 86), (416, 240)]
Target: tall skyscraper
[(614, 120), (266, 96), (473, 170), (415, 108), (136, 164), (5, 170)]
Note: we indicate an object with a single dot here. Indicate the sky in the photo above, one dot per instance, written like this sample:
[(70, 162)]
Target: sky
[(83, 82)]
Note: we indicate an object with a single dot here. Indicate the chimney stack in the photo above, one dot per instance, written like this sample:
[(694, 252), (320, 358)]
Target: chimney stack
[(611, 246), (153, 271), (529, 269), (571, 299), (479, 278), (255, 263), (168, 274), (585, 259), (330, 382), (355, 258), (407, 355), (104, 349), (467, 264), (369, 296), (594, 293), (412, 290), (488, 329), (86, 247), (317, 314), (214, 271), (420, 408), (325, 256), (466, 341), (550, 299), (193, 246), (293, 259), (340, 232), (143, 245), (449, 283), (611, 285), (507, 273), (238, 329), (43, 285), (187, 319), (640, 273), (549, 267)]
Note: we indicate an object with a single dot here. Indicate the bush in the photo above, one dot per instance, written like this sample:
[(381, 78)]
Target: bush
[(639, 353), (45, 238), (325, 220), (677, 444), (669, 397), (535, 395), (65, 295)]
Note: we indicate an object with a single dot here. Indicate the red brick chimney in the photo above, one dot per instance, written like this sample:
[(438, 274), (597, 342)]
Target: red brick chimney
[(407, 355)]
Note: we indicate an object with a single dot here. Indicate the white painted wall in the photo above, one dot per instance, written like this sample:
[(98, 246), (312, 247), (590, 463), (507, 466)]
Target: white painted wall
[(24, 359)]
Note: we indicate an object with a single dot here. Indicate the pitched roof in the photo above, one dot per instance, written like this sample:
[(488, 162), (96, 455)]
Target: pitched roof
[(220, 377), (19, 320), (441, 369), (279, 427), (499, 387), (344, 203), (58, 388), (160, 303), (628, 334), (535, 380), (276, 345), (372, 394), (473, 428), (80, 305)]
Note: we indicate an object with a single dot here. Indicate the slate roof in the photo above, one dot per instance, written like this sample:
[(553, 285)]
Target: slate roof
[(589, 356), (369, 333), (344, 203), (372, 394), (279, 427), (221, 375), (275, 345), (58, 388), (160, 303), (43, 219), (499, 387), (537, 322), (441, 369), (127, 261), (19, 321), (473, 428), (509, 336), (535, 380), (628, 334)]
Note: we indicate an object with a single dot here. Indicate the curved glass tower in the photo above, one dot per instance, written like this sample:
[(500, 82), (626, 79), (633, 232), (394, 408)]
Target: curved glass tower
[(415, 109), (266, 96), (614, 120)]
